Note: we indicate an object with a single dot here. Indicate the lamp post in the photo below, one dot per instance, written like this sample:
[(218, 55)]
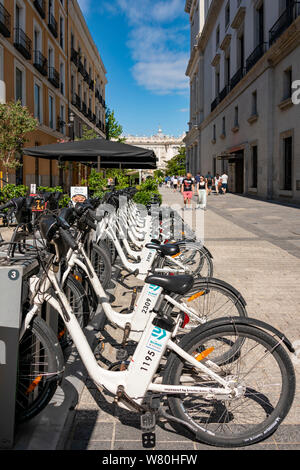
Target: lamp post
[(71, 124)]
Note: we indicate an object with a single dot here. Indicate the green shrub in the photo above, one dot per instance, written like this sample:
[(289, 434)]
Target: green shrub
[(11, 191)]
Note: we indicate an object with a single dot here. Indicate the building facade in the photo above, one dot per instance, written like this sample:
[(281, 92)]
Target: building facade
[(49, 61), (164, 146), (245, 58)]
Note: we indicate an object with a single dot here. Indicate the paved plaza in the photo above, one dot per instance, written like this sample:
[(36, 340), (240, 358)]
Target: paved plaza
[(256, 248)]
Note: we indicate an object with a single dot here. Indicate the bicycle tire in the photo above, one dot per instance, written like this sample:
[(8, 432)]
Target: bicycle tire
[(40, 370), (202, 266), (221, 422), (202, 299), (78, 300), (100, 260)]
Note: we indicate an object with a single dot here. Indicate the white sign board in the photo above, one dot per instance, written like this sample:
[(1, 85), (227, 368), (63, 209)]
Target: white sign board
[(33, 189), (78, 191)]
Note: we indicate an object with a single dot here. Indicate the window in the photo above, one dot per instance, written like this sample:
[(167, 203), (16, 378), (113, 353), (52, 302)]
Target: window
[(214, 132), (218, 37), (241, 50), (254, 166), (19, 85), (227, 14), (236, 116), (260, 25), (1, 64), (62, 78), (51, 111), (61, 32), (287, 163), (224, 126), (287, 84), (37, 102), (227, 70), (62, 119), (217, 82), (254, 103)]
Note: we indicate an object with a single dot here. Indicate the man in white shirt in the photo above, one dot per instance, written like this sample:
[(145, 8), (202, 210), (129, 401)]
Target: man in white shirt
[(224, 179)]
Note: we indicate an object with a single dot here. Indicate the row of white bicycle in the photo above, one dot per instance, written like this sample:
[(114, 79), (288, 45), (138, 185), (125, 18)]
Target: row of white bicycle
[(200, 361)]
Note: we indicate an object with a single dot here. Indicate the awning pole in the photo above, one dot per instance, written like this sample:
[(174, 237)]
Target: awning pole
[(98, 163)]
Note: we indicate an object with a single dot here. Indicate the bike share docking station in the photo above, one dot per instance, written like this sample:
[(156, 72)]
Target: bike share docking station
[(12, 275)]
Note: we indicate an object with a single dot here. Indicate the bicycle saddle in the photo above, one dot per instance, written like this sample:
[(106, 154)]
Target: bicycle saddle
[(169, 249), (180, 284)]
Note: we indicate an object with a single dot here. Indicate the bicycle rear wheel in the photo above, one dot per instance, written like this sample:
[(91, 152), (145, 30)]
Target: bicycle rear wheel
[(40, 370), (208, 299), (100, 259), (262, 372)]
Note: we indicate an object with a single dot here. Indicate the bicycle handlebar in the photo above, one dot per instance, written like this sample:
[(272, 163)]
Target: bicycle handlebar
[(68, 238)]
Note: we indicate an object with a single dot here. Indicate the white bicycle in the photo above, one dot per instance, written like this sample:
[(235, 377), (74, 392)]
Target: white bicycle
[(225, 397)]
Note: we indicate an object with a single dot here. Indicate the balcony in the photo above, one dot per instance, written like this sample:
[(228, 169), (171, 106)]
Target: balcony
[(91, 84), (74, 57), (22, 43), (85, 75), (76, 101), (61, 125), (4, 22), (40, 62), (284, 21), (53, 77), (52, 25), (214, 104), (237, 77), (258, 52), (97, 94), (224, 93), (90, 114), (84, 109), (40, 5)]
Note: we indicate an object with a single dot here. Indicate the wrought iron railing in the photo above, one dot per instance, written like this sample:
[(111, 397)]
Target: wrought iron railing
[(237, 77), (54, 77), (74, 56), (40, 5), (22, 43), (52, 25), (4, 21), (40, 62), (254, 57), (284, 21)]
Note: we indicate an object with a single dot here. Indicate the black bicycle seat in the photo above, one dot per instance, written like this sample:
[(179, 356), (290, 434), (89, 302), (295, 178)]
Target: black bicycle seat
[(168, 249), (179, 284)]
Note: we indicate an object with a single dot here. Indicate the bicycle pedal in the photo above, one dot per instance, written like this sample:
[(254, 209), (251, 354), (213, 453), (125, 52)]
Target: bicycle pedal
[(148, 440), (121, 355)]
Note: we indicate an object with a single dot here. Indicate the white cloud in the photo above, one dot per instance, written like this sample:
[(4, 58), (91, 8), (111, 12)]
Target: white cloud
[(157, 45), (85, 6)]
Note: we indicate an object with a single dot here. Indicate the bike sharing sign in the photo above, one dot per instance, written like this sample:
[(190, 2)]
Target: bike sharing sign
[(78, 194)]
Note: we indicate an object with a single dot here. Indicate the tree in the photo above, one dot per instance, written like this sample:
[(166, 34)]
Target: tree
[(113, 129), (87, 134), (15, 123), (177, 165)]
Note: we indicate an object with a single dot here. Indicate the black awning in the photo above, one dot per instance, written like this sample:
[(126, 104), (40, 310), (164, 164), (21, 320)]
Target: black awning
[(112, 154)]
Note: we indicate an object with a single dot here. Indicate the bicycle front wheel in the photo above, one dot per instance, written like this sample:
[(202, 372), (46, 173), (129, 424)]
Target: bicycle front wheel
[(40, 369), (262, 372), (193, 259)]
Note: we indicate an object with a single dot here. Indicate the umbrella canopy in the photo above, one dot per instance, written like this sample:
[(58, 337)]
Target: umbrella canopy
[(112, 154)]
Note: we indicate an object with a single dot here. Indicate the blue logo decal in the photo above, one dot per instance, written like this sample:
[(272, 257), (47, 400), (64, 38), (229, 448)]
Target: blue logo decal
[(159, 333)]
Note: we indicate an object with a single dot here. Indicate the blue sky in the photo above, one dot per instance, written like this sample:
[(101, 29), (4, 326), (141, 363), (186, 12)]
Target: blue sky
[(144, 45)]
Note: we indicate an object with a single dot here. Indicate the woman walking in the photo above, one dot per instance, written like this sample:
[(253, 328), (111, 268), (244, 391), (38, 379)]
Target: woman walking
[(202, 189)]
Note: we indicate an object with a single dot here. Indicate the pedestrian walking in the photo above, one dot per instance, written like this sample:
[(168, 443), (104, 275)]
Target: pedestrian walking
[(224, 180), (209, 181), (187, 189), (218, 183), (202, 189), (175, 184)]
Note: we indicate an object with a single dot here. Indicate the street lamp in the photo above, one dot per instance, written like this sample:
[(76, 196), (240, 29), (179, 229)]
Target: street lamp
[(71, 124)]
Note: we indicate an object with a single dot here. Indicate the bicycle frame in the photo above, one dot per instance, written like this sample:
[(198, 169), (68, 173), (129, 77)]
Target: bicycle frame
[(138, 378), (146, 302)]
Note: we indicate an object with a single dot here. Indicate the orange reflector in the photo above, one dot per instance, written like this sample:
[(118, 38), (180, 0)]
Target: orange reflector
[(78, 278), (33, 384), (174, 256), (195, 296), (204, 354), (61, 333)]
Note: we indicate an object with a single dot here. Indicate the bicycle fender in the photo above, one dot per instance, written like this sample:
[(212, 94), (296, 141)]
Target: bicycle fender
[(259, 324), (232, 289)]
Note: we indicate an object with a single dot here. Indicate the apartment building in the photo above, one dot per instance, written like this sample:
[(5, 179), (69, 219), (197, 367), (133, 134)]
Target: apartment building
[(245, 57), (49, 61)]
